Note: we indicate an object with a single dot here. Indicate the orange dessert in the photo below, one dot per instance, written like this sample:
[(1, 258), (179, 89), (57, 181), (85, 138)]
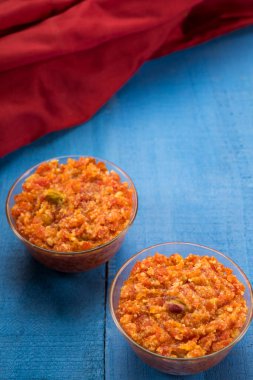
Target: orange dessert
[(72, 207), (182, 307)]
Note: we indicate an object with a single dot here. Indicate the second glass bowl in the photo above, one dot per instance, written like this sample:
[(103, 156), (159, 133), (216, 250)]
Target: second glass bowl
[(72, 261), (178, 366)]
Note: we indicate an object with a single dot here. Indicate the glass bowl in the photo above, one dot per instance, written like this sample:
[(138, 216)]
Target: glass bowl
[(178, 366), (72, 261)]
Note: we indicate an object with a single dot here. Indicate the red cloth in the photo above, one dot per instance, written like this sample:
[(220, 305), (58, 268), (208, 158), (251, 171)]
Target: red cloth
[(61, 60)]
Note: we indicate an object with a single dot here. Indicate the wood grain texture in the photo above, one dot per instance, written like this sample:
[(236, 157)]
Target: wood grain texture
[(191, 128), (50, 326), (183, 130)]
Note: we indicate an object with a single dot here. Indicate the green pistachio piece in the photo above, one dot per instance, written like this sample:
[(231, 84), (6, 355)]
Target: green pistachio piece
[(54, 196)]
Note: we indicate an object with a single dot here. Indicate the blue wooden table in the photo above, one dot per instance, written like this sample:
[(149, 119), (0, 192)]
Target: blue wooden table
[(183, 130)]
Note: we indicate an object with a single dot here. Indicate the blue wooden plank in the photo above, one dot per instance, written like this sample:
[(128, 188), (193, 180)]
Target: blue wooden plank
[(187, 142), (51, 324)]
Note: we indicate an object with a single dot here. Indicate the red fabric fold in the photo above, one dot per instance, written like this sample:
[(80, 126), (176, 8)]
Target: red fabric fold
[(61, 60)]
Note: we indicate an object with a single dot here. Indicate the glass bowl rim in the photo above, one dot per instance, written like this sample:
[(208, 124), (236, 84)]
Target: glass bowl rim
[(70, 253), (236, 340)]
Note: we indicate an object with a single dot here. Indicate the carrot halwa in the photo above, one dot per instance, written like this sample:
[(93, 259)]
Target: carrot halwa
[(72, 207), (182, 307)]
